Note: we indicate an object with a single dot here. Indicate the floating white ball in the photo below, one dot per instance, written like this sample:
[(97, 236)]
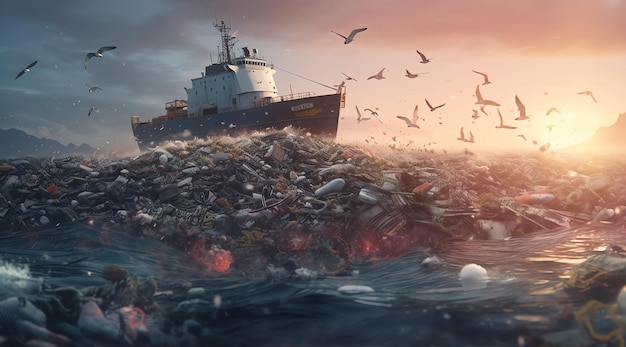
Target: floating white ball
[(473, 276)]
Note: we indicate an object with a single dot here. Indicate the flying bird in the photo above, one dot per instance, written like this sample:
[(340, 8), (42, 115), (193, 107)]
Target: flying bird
[(92, 89), (522, 136), (348, 78), (475, 114), (502, 126), (97, 54), (411, 123), (553, 109), (350, 37), (586, 92), (462, 138), (482, 109), (378, 76), (481, 101), (25, 70), (91, 110), (413, 75), (431, 107), (521, 109), (485, 77), (372, 112), (424, 59), (359, 119)]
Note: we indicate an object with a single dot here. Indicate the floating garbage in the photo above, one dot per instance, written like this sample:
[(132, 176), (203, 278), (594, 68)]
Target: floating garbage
[(215, 195), (473, 276), (289, 207), (355, 289)]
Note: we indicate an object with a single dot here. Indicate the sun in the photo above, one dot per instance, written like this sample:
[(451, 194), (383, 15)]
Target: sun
[(564, 131)]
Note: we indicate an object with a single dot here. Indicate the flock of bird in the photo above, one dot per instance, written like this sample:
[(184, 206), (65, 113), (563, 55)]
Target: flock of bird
[(88, 56), (412, 123)]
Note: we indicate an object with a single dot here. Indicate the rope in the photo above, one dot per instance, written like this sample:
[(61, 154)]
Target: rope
[(308, 79)]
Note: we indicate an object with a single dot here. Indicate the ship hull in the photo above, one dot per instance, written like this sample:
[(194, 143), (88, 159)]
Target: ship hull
[(318, 115)]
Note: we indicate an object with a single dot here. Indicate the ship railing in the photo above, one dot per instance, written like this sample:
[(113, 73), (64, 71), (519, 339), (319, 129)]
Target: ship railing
[(288, 97)]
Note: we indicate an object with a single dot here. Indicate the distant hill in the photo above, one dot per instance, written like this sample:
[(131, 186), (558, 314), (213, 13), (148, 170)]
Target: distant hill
[(17, 144), (609, 139)]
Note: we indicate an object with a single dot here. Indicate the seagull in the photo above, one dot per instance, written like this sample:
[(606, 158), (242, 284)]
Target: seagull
[(92, 89), (544, 147), (431, 107), (482, 109), (522, 136), (521, 108), (424, 59), (475, 114), (586, 92), (550, 127), (553, 109), (350, 37), (486, 81), (462, 138), (374, 113), (97, 54), (481, 101), (359, 119), (25, 70), (91, 110), (348, 78), (378, 76), (502, 126), (411, 123), (413, 75)]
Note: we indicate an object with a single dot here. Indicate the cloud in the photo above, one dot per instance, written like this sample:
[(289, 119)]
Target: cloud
[(163, 43)]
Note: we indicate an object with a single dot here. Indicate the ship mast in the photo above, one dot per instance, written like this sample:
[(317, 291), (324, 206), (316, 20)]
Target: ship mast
[(228, 43)]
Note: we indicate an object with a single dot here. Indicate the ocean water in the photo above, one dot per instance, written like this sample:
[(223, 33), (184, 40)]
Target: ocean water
[(409, 305)]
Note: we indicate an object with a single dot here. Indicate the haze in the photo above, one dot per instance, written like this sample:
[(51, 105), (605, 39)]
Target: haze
[(546, 52)]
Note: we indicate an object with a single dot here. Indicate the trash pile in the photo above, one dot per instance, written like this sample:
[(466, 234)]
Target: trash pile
[(292, 203), (287, 206)]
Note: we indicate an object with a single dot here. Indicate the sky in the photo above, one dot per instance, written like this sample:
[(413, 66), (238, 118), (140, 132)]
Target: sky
[(543, 51)]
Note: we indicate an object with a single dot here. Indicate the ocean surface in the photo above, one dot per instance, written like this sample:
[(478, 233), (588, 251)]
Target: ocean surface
[(409, 305)]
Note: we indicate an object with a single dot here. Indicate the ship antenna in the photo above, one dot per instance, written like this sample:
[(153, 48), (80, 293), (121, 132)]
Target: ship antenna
[(228, 43)]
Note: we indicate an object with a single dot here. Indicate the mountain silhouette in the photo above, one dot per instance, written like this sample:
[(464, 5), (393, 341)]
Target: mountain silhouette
[(17, 144), (609, 139)]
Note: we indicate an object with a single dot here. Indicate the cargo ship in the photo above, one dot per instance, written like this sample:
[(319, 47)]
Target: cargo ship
[(238, 95)]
